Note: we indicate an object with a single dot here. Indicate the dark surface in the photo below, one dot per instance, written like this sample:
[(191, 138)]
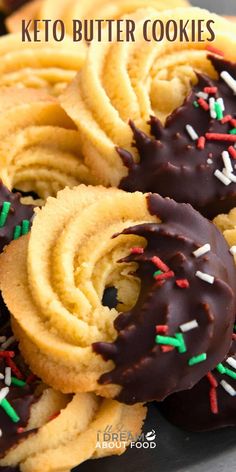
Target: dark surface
[(177, 450)]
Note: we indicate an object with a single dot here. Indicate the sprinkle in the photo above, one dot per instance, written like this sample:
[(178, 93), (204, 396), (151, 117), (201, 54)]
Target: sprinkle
[(189, 326), (167, 348), (214, 50), (208, 90), (9, 410), (233, 131), (7, 354), (229, 175), (0, 433), (162, 329), (230, 373), (158, 272), (14, 368), (17, 383), (4, 213), (227, 161), (197, 359), (213, 401), (20, 430), (228, 388), (203, 104), (203, 95), (195, 104), (212, 380), (177, 341), (182, 283), (219, 111), (17, 232), (223, 178), (234, 336), (8, 342), (209, 161), (221, 103), (3, 393), (25, 226), (220, 137), (191, 132), (232, 362), (212, 107), (137, 250), (166, 275), (1, 376), (232, 152), (201, 142), (226, 119), (229, 80), (160, 264), (233, 250), (202, 250), (182, 347), (205, 277), (233, 122), (8, 376), (220, 368)]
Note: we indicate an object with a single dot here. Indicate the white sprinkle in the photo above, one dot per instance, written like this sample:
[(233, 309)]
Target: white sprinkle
[(1, 376), (228, 388), (221, 103), (8, 376), (3, 393), (202, 95), (8, 342), (188, 326), (229, 175), (212, 107), (233, 250), (0, 433), (2, 339), (209, 161), (192, 133), (227, 161), (229, 80), (223, 178), (202, 250), (232, 362), (205, 277)]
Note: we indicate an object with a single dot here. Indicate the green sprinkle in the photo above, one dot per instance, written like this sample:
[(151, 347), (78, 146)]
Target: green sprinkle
[(17, 232), (219, 111), (17, 382), (158, 272), (4, 213), (235, 327), (230, 373), (25, 226), (197, 359), (220, 368), (168, 340), (9, 410), (182, 345), (196, 104), (232, 131)]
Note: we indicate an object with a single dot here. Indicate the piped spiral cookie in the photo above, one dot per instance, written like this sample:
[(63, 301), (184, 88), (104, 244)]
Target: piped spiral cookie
[(40, 147), (159, 116), (175, 283)]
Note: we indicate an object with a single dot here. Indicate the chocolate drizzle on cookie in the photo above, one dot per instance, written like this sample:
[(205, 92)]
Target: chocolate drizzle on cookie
[(155, 352), (180, 159)]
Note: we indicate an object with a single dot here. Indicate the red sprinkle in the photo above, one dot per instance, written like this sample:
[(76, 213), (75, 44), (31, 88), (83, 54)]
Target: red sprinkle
[(7, 354), (167, 348), (226, 119), (233, 122), (160, 264), (55, 415), (166, 275), (162, 329), (221, 137), (203, 104), (232, 152), (212, 380), (234, 336), (182, 283), (215, 50), (20, 430), (137, 250), (14, 368), (201, 142), (213, 401), (210, 89)]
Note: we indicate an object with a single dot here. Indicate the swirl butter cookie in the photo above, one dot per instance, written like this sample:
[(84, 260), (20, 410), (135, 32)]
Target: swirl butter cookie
[(171, 269), (159, 116), (43, 429), (39, 144), (47, 65)]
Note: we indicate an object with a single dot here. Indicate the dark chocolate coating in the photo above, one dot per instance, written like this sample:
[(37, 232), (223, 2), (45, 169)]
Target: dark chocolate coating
[(170, 162), (18, 212), (142, 370), (191, 409)]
